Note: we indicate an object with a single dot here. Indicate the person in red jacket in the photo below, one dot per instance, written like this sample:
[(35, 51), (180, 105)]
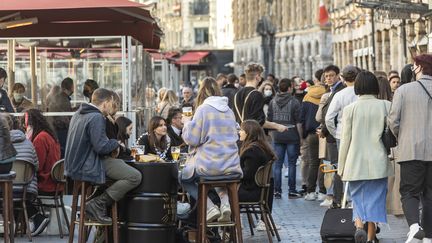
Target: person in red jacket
[(47, 147)]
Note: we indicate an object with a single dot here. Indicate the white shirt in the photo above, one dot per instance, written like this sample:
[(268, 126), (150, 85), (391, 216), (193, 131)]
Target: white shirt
[(335, 110), (176, 130)]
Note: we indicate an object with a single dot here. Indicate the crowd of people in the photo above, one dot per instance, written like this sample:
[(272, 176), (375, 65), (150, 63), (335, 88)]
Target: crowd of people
[(234, 125)]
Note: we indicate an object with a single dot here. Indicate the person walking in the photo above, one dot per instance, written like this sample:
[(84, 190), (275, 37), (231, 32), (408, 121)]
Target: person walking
[(410, 121), (363, 160), (286, 109)]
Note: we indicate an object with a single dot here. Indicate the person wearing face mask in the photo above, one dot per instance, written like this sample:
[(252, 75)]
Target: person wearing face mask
[(267, 89), (5, 103), (61, 102), (91, 156), (89, 87), (410, 121), (19, 101)]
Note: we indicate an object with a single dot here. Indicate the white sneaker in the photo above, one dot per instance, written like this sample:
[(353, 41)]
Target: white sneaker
[(321, 196), (415, 232), (225, 213), (310, 196), (261, 226), (427, 240), (326, 203), (213, 213)]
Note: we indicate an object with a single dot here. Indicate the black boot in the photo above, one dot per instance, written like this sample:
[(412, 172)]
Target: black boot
[(96, 209)]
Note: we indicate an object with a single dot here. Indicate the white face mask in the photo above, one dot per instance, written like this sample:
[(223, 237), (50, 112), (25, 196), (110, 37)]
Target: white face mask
[(268, 93), (18, 97), (237, 85)]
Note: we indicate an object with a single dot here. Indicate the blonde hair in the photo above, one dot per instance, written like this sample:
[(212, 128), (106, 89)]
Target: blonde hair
[(170, 97), (252, 69), (161, 93), (208, 88)]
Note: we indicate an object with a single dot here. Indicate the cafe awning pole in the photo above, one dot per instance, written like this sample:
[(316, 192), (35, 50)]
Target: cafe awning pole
[(33, 74)]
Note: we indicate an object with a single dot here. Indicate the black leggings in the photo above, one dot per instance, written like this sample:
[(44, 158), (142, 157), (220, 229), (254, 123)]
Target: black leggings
[(5, 168)]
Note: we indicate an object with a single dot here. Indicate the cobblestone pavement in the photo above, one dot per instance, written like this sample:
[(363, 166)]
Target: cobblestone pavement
[(300, 221)]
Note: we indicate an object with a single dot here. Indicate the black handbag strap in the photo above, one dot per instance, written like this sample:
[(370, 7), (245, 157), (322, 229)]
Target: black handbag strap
[(427, 92)]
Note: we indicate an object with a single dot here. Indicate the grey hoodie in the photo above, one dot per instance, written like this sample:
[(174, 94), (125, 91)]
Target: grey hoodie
[(25, 152)]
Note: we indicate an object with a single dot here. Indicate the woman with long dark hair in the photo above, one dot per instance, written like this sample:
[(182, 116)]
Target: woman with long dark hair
[(46, 144), (156, 140), (124, 126)]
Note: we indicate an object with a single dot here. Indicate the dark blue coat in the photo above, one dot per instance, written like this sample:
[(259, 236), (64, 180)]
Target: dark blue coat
[(87, 144)]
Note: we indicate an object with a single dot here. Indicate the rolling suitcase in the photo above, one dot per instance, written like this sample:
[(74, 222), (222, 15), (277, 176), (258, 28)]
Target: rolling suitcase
[(337, 224)]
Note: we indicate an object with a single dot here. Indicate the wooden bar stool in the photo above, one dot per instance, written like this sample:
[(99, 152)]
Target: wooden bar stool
[(84, 189), (6, 181), (231, 184)]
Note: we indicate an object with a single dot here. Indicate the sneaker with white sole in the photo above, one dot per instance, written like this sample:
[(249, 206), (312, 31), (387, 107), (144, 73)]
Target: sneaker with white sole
[(321, 196), (261, 226), (416, 232), (311, 196), (40, 223), (213, 213), (326, 203), (225, 213), (427, 240)]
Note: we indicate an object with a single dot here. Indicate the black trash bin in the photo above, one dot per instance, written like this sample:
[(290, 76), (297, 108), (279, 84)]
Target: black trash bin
[(149, 211)]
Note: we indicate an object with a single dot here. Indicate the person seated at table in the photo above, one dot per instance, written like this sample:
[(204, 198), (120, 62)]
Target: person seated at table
[(156, 140), (175, 126), (124, 131), (19, 101), (212, 136), (7, 150), (90, 156)]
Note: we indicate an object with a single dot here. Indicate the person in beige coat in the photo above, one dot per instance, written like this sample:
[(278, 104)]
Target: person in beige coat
[(363, 160)]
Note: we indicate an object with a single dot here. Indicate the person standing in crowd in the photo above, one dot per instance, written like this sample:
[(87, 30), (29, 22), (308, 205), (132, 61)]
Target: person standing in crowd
[(299, 88), (156, 140), (285, 109), (392, 73), (229, 90), (385, 89), (249, 102), (363, 158), (5, 103), (255, 152), (274, 81), (19, 101), (188, 100), (7, 150), (169, 100), (221, 80), (407, 75), (331, 75), (124, 126), (89, 87), (55, 89), (215, 152), (242, 81), (90, 155), (340, 100), (268, 92), (410, 121), (62, 103), (394, 82), (175, 127), (310, 125)]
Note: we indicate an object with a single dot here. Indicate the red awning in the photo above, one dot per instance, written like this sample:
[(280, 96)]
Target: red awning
[(64, 18), (192, 57)]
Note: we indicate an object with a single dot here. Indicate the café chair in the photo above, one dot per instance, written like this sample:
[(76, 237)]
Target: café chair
[(84, 189), (55, 200), (25, 172), (231, 183), (262, 179), (6, 181)]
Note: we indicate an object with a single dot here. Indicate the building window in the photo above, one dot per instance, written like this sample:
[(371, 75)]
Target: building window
[(200, 7), (201, 36)]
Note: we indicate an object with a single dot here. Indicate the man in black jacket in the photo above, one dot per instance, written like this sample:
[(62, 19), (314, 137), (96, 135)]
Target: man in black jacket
[(90, 155), (5, 104), (230, 89), (331, 75), (174, 128)]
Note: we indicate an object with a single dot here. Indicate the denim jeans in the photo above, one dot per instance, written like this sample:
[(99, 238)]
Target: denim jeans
[(292, 151)]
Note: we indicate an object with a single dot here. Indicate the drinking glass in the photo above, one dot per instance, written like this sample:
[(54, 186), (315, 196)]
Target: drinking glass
[(187, 111), (175, 152)]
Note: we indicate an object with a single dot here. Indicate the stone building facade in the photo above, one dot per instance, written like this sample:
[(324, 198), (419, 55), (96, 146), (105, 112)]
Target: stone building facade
[(388, 48), (301, 45)]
